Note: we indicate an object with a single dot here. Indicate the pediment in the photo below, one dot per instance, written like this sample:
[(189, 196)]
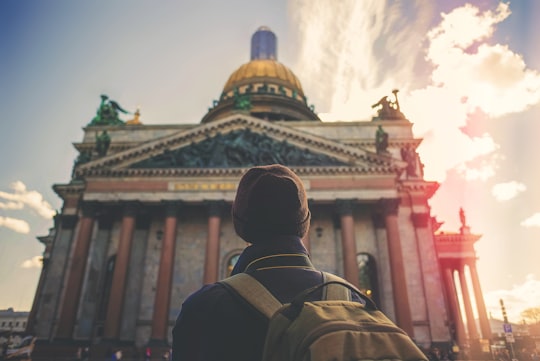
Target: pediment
[(237, 142)]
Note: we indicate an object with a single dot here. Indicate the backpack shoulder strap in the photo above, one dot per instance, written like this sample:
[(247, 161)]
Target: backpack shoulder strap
[(335, 291), (253, 292)]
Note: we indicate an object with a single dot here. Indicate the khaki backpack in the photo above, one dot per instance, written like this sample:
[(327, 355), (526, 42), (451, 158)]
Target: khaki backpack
[(333, 329)]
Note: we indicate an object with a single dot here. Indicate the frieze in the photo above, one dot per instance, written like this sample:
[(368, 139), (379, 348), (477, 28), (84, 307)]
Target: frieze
[(201, 186)]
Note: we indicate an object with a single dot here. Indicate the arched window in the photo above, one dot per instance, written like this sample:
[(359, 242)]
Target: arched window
[(232, 262), (367, 276)]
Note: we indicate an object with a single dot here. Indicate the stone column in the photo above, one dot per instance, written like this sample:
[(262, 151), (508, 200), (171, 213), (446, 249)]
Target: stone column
[(455, 313), (397, 267), (480, 305), (211, 262), (350, 264), (74, 282), (471, 324), (160, 320), (116, 297)]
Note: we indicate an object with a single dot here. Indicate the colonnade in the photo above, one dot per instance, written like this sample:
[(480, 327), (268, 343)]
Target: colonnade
[(462, 318), (387, 208)]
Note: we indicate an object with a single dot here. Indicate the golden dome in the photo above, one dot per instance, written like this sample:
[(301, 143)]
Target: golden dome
[(263, 70)]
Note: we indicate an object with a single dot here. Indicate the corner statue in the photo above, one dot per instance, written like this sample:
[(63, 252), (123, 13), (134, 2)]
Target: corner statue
[(107, 113), (387, 109), (381, 140)]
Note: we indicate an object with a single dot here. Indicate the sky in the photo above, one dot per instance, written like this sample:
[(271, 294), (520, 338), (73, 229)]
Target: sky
[(468, 75)]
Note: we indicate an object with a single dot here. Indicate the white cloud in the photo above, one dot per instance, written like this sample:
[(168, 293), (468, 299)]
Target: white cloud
[(532, 221), (517, 299), (34, 262), (17, 225), (22, 197), (11, 205), (508, 190), (362, 57)]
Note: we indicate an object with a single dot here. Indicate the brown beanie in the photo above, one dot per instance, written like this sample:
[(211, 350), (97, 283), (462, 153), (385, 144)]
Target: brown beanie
[(270, 201)]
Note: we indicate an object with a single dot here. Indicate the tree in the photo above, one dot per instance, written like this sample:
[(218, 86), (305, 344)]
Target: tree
[(531, 314)]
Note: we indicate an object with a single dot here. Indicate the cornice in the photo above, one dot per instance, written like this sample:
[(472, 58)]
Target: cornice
[(428, 188), (392, 143), (69, 190), (234, 172)]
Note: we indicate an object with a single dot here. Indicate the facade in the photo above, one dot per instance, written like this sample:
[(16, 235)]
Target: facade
[(146, 216)]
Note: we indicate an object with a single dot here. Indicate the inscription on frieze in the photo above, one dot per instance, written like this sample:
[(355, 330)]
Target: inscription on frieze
[(201, 186), (240, 148)]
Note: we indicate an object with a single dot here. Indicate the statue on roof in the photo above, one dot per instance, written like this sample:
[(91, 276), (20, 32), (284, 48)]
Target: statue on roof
[(103, 141), (136, 118), (408, 154), (381, 140), (107, 113), (387, 108), (464, 229), (462, 217)]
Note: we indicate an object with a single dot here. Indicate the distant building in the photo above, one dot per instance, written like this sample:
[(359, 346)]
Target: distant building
[(13, 321), (146, 215)]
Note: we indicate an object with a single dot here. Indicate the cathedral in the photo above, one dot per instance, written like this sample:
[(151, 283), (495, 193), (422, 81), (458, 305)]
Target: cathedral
[(146, 218)]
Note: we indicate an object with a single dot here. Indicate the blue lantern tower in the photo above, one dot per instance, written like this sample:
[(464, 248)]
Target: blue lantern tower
[(263, 44)]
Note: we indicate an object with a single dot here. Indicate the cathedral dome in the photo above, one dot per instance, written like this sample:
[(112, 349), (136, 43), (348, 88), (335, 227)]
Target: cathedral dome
[(263, 87), (263, 70)]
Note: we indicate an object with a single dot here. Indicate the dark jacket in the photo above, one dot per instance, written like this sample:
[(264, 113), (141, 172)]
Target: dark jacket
[(214, 325)]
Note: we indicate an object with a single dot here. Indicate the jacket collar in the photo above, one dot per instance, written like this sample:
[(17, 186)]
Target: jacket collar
[(279, 245)]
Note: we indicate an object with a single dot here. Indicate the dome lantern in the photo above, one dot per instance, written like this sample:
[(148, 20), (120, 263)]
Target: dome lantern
[(264, 44)]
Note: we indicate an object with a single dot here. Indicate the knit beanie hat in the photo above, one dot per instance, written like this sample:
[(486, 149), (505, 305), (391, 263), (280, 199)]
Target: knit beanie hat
[(270, 201)]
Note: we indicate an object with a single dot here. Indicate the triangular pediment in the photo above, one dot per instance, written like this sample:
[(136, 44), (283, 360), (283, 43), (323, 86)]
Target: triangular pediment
[(238, 149), (239, 141)]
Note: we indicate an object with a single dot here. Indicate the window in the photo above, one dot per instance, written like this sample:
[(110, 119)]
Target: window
[(231, 263), (367, 276)]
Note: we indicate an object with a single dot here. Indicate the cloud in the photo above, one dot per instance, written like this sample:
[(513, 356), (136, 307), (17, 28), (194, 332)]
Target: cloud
[(12, 205), (21, 197), (508, 190), (532, 221), (517, 299), (17, 225), (491, 77), (362, 57), (34, 262)]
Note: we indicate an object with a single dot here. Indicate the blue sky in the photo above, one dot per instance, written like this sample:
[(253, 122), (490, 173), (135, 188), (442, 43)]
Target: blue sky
[(468, 80)]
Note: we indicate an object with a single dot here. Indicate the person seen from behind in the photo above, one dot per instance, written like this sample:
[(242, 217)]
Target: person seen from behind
[(270, 212)]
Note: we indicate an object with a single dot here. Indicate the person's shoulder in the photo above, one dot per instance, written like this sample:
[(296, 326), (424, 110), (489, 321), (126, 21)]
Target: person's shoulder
[(206, 295)]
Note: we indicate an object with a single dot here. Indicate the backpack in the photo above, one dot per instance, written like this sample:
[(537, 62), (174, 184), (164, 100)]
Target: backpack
[(332, 329)]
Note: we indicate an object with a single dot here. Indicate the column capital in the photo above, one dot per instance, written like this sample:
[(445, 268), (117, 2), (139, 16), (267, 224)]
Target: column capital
[(89, 209), (216, 208), (420, 220), (171, 208), (389, 206), (344, 206), (67, 221), (131, 208)]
